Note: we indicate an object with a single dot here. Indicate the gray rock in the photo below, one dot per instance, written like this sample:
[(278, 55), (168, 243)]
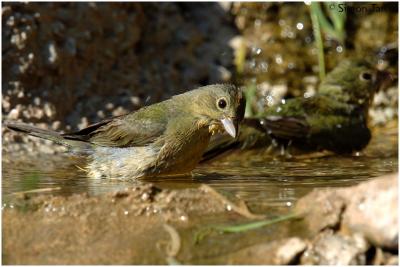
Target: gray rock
[(329, 248)]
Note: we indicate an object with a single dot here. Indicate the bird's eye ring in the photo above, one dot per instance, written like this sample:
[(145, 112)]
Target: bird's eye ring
[(366, 76), (221, 103)]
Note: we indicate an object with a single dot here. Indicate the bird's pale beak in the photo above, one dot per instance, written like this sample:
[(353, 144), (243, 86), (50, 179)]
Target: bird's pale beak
[(384, 79), (229, 126)]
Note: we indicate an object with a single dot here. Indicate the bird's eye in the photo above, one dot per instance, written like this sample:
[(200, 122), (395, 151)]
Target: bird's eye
[(221, 103), (366, 76)]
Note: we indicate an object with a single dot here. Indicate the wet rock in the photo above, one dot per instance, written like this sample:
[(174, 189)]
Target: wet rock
[(288, 252), (371, 211), (329, 248), (321, 209), (368, 210)]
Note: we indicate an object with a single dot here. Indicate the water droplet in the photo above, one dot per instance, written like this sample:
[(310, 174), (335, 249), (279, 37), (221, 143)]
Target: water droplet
[(338, 126), (147, 99), (11, 206), (126, 212), (263, 66), (183, 218), (257, 23), (145, 196), (283, 101), (278, 59), (308, 94), (290, 34), (291, 65), (279, 109), (256, 50), (270, 100), (339, 49), (228, 207), (289, 204), (299, 26), (252, 64)]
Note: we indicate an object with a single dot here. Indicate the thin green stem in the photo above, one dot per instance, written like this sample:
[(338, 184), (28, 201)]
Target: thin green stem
[(254, 225), (315, 8)]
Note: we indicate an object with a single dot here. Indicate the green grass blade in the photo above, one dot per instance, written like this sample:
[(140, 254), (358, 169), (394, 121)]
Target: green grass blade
[(254, 225), (314, 10)]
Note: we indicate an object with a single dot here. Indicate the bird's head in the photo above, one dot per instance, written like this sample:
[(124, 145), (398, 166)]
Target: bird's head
[(220, 106), (354, 81)]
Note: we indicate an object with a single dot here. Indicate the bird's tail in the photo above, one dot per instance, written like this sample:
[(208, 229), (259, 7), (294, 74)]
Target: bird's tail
[(45, 134)]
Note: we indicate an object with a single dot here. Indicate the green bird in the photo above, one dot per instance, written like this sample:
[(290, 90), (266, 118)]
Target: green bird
[(167, 138), (334, 119)]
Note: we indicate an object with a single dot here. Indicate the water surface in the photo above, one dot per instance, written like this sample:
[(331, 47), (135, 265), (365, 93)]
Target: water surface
[(263, 182)]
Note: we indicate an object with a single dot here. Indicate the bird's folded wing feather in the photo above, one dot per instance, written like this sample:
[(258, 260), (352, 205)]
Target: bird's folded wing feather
[(295, 120), (286, 127), (123, 131)]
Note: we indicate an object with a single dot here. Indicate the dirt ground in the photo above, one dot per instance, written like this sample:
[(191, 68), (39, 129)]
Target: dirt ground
[(146, 225)]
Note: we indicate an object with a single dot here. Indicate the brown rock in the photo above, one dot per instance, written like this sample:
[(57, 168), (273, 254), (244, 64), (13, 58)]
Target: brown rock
[(371, 211), (321, 209)]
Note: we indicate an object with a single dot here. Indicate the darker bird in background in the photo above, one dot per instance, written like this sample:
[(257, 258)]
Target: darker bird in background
[(335, 119)]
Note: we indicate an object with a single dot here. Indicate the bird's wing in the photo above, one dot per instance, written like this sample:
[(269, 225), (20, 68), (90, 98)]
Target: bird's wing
[(290, 120), (135, 129), (286, 127), (299, 118)]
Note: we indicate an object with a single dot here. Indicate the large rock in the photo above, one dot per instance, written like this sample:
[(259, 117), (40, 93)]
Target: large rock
[(369, 209)]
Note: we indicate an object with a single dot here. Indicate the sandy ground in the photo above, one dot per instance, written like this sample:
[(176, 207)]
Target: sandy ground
[(147, 225)]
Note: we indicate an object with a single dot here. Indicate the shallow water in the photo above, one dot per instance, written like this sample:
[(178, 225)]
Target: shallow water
[(263, 182)]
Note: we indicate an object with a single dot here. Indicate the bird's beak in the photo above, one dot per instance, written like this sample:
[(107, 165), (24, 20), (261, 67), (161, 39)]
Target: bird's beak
[(384, 79), (230, 126)]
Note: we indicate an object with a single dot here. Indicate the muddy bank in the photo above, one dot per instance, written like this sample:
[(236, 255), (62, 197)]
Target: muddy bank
[(118, 228), (145, 224)]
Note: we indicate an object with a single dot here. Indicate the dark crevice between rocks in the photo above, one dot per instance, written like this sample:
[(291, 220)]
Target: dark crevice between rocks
[(371, 255)]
